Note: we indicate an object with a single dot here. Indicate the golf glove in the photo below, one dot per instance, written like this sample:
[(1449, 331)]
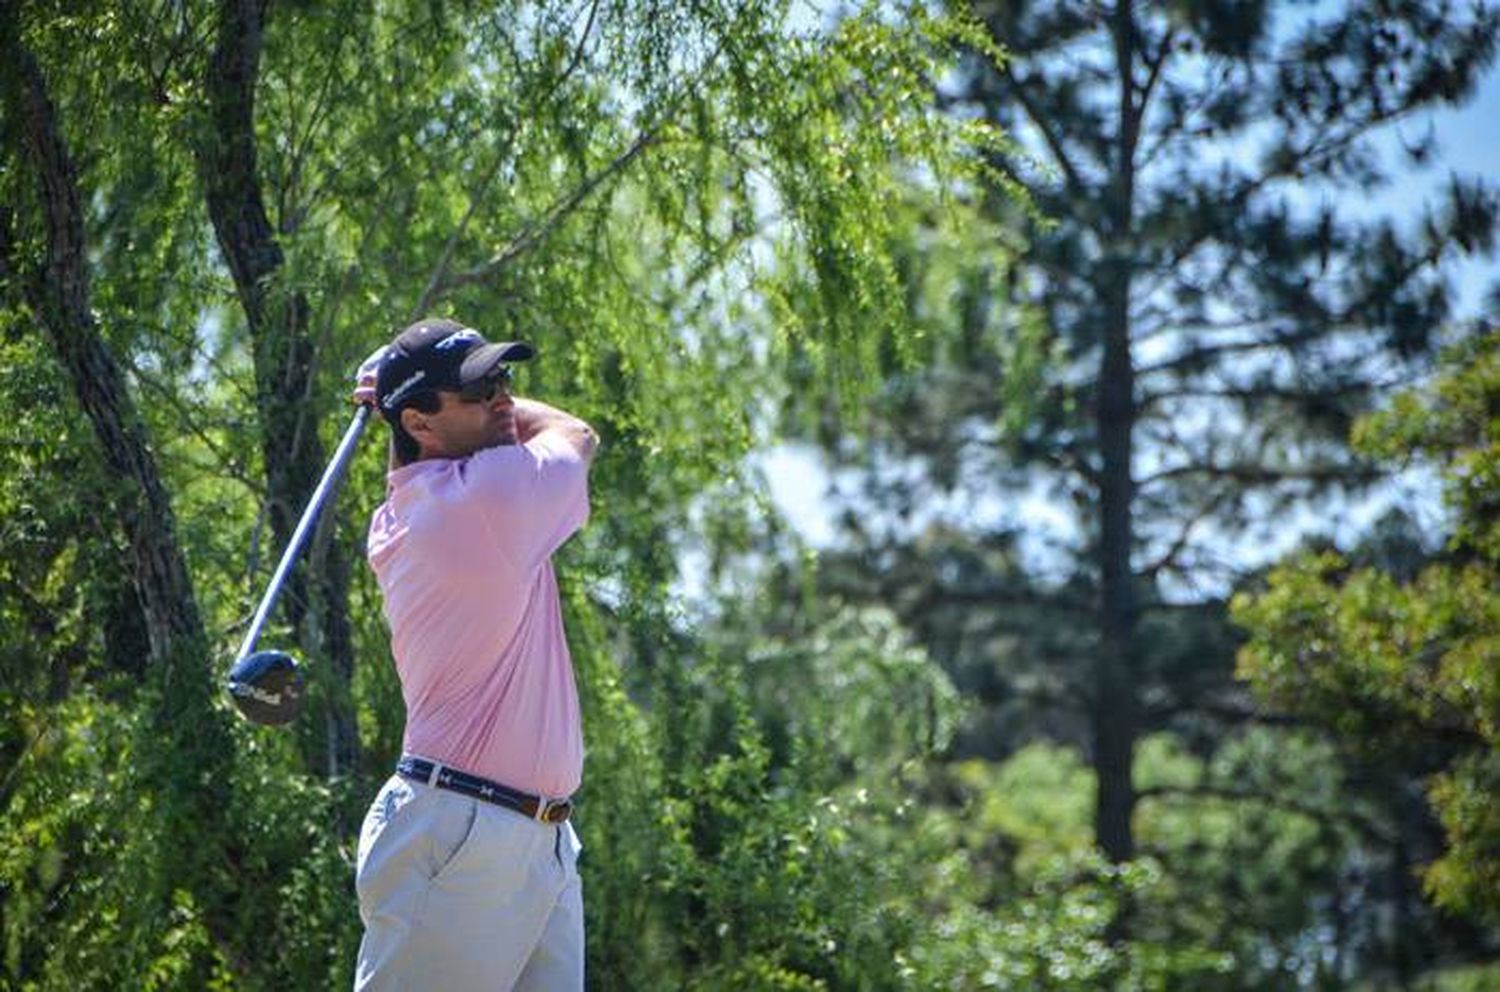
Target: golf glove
[(364, 378)]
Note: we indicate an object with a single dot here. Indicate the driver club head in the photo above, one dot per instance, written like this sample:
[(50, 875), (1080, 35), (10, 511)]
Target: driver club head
[(267, 687)]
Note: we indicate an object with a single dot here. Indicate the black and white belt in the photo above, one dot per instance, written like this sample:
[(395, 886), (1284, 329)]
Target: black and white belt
[(440, 776)]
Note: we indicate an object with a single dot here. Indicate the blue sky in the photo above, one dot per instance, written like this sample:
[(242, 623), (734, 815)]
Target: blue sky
[(1468, 145)]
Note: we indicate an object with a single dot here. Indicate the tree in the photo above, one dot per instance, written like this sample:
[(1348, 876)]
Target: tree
[(56, 291), (1193, 325), (598, 178), (282, 347), (1404, 668)]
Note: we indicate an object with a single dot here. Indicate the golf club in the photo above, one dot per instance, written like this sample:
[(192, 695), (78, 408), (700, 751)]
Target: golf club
[(267, 685)]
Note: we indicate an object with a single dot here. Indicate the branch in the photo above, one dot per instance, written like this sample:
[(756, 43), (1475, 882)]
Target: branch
[(436, 282), (1200, 356), (1251, 394), (1232, 705), (539, 229), (1070, 456), (1330, 143), (1161, 317), (577, 58), (1249, 473), (1417, 735), (1064, 694), (1344, 816), (226, 462), (1180, 544), (1062, 274), (1154, 67), (1044, 126), (1193, 109), (43, 735), (292, 213)]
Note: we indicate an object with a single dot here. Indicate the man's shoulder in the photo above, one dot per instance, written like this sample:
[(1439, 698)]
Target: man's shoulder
[(517, 462)]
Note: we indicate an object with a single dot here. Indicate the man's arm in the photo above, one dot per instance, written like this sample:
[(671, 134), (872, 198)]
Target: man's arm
[(534, 417)]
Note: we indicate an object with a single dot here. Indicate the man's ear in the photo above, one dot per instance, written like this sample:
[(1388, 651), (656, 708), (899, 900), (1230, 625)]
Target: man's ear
[(414, 422)]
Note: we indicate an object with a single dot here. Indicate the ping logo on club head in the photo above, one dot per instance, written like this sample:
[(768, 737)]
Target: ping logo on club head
[(457, 337)]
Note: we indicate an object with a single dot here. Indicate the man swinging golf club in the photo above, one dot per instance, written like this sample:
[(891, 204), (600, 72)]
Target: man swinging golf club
[(467, 867)]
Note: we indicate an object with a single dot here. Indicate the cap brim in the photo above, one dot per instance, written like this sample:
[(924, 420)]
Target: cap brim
[(487, 357)]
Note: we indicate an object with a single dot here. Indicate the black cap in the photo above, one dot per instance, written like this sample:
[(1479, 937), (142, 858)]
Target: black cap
[(437, 353)]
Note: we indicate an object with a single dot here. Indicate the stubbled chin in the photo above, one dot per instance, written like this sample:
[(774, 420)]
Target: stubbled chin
[(507, 430)]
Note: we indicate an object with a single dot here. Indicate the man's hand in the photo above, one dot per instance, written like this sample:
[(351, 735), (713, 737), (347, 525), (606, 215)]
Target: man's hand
[(364, 378)]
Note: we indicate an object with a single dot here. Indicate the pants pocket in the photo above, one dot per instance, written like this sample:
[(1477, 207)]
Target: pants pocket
[(394, 799), (455, 823), (411, 836)]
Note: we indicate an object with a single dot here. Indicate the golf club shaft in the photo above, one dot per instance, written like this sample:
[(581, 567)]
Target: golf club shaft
[(326, 486)]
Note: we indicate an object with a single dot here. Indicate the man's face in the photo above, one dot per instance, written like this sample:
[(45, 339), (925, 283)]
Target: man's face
[(466, 424)]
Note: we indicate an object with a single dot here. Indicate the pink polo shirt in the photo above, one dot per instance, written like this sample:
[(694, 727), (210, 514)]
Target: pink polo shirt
[(462, 551)]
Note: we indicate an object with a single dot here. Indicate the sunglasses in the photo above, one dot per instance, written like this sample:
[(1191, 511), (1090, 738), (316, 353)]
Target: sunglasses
[(484, 390)]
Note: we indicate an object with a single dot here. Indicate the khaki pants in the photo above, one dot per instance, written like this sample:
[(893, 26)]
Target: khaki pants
[(460, 895)]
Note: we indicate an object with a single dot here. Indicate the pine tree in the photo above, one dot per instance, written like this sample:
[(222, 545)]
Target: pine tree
[(1198, 316)]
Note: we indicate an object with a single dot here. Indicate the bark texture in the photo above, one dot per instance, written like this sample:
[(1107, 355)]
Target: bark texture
[(1114, 715), (60, 296)]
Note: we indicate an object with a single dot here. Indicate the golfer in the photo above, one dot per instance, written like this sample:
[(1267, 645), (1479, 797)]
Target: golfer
[(467, 868)]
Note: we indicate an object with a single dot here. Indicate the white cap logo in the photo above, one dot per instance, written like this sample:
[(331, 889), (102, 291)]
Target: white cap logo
[(397, 394), (457, 337)]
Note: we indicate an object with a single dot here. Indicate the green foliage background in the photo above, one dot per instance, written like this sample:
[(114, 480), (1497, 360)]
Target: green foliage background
[(673, 202), (721, 222)]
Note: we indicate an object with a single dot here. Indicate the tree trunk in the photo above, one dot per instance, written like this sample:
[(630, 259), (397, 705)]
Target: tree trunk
[(60, 295), (317, 599), (180, 766), (1115, 711)]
